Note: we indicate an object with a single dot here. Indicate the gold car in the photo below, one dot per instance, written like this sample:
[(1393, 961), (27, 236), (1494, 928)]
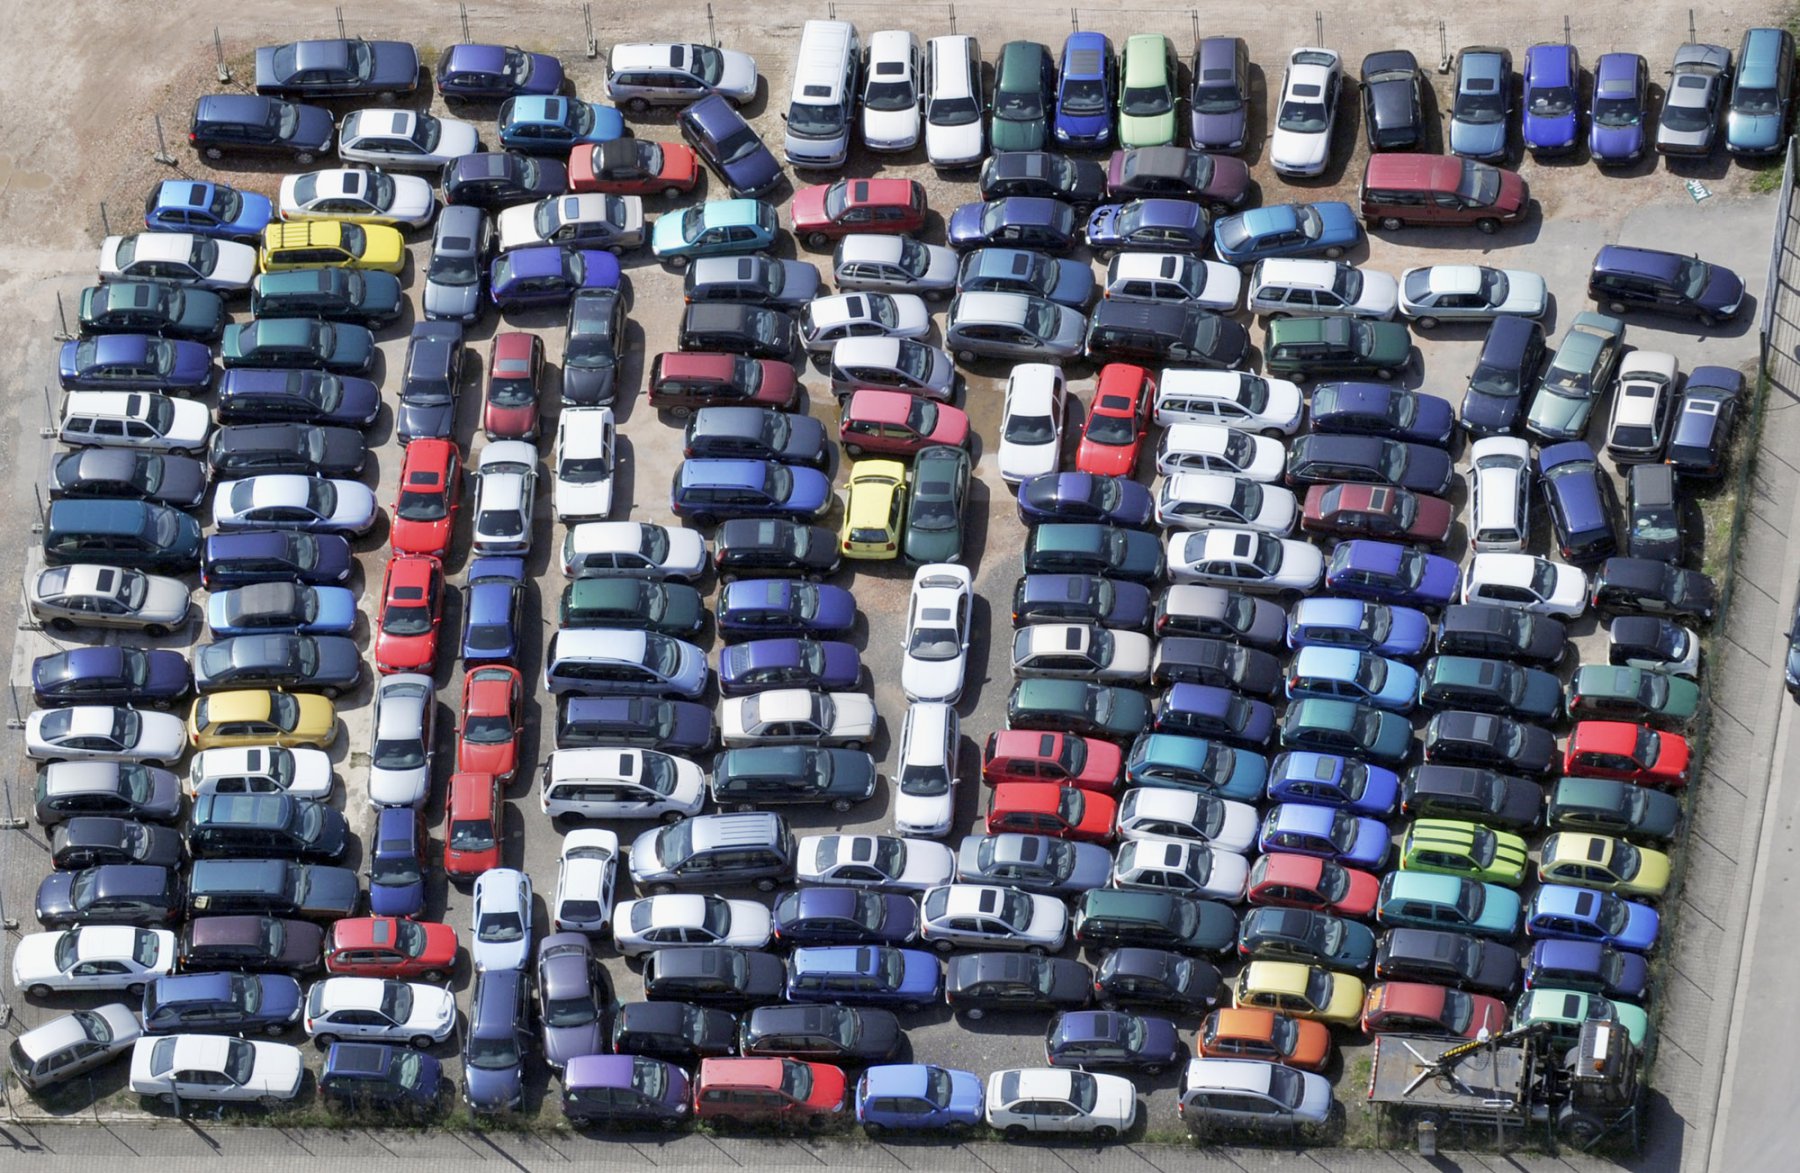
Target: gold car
[(1603, 862), (1303, 991), (306, 244), (257, 716), (873, 511)]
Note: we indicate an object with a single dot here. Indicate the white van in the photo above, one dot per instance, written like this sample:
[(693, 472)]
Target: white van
[(818, 114), (607, 782)]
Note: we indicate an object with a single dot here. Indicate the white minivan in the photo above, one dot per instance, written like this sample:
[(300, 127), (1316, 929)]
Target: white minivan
[(818, 113)]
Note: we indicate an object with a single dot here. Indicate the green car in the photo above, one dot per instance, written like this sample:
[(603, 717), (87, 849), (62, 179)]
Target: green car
[(934, 509), (1023, 86), (1577, 377), (1075, 706), (152, 307), (1632, 694), (1453, 847), (1492, 686), (1147, 92), (299, 343), (1346, 727), (1613, 808), (1332, 347), (671, 608), (1076, 547), (1566, 1010), (1422, 900)]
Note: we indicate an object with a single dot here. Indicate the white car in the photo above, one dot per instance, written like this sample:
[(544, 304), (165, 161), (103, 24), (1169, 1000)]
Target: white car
[(585, 876), (925, 771), (112, 733), (292, 501), (64, 598), (1525, 580), (379, 1008), (226, 266), (365, 195), (400, 739), (894, 264), (614, 782), (1301, 144), (885, 862), (1254, 403), (1499, 493), (1202, 500), (260, 769), (500, 920), (684, 918), (134, 419), (505, 484), (1081, 651), (1218, 448), (583, 461), (1031, 422), (405, 138), (826, 321), (640, 73), (1184, 866), (1021, 1101), (637, 548), (1173, 277), (784, 716), (1431, 294), (215, 1067), (936, 656), (1642, 406), (890, 95), (92, 957), (990, 916), (1244, 559), (1281, 286), (1165, 812), (588, 220), (955, 133)]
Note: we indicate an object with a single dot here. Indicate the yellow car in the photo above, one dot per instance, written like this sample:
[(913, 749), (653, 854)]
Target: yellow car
[(1304, 991), (873, 511), (308, 243), (1454, 847), (257, 716), (1600, 861)]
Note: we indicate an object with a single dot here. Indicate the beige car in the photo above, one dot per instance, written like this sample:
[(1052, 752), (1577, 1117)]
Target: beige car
[(784, 716), (64, 598)]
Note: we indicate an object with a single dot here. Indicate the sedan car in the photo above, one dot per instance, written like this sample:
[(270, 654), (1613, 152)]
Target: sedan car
[(1326, 228), (501, 920), (1153, 225), (937, 633), (883, 862), (200, 1067), (1086, 1039), (1688, 122), (1024, 1101), (1432, 294), (104, 732), (1310, 90), (136, 362), (289, 502), (1244, 559), (1579, 373)]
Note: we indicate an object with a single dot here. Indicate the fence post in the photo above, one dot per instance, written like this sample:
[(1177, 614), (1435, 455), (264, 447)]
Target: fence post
[(1074, 19), (462, 11), (162, 148), (1319, 27), (105, 225), (587, 18), (1443, 48), (219, 54), (712, 30), (62, 318), (340, 19)]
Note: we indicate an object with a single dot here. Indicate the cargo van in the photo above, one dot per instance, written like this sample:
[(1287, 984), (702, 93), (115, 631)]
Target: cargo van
[(818, 113), (1440, 191)]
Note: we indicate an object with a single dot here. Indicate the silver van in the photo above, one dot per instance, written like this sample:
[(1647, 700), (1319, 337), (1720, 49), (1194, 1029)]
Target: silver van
[(818, 113)]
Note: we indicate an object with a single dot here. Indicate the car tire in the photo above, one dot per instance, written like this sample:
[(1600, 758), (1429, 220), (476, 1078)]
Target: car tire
[(1154, 1069), (944, 946), (167, 1098), (42, 991), (677, 263), (671, 192), (217, 153), (1708, 321), (1333, 253), (1035, 950), (304, 158), (938, 294), (840, 805), (1487, 226), (817, 240), (766, 884), (65, 626), (966, 357), (637, 106), (385, 97), (330, 693), (617, 250), (434, 976), (975, 1014), (324, 1041), (818, 1123), (681, 413), (275, 1029), (849, 450), (422, 1042), (1392, 223), (1104, 1133), (154, 630), (1016, 1132), (1384, 372)]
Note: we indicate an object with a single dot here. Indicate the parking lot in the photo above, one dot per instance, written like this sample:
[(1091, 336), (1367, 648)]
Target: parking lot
[(108, 117)]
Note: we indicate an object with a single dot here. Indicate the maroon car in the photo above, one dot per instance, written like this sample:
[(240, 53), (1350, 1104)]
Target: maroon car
[(1221, 182), (262, 944), (1376, 511), (681, 381)]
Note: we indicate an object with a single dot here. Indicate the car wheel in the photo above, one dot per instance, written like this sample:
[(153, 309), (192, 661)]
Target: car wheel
[(304, 158), (840, 805), (1384, 373), (938, 294), (1016, 1132), (872, 1130), (65, 626), (966, 357), (275, 1029), (765, 885), (637, 106), (849, 450), (330, 694), (153, 763), (671, 192), (817, 240), (617, 250), (323, 1041), (944, 946), (166, 1098), (678, 263), (1154, 1069), (1708, 321), (153, 630), (975, 1013), (215, 153), (744, 808), (1487, 225), (670, 818), (1392, 223), (1105, 1132), (681, 413), (1035, 950), (663, 889), (1425, 323), (434, 975), (818, 1123), (1278, 316), (724, 1123), (1334, 252), (422, 1042), (385, 97), (42, 991)]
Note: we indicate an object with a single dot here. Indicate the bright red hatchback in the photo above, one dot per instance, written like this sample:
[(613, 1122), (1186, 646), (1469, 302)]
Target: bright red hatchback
[(514, 377), (1026, 755), (1282, 879), (633, 166), (1117, 422), (412, 606), (424, 513), (472, 826), (493, 711), (1628, 752), (1043, 808), (828, 210), (390, 947)]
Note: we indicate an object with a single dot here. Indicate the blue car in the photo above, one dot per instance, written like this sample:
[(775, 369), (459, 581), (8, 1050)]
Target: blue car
[(1112, 1038), (469, 71), (1377, 409), (714, 228), (864, 975), (1552, 99), (675, 727), (844, 916), (753, 607), (1332, 780), (1387, 572), (1481, 103), (109, 675), (1017, 270), (1195, 763), (1031, 222), (1356, 623), (1511, 358), (397, 863), (1086, 79), (380, 1077), (1085, 496), (707, 492), (826, 665), (1154, 225), (541, 125), (1561, 912), (223, 1001), (497, 1040), (1110, 602), (730, 146), (206, 209), (1616, 134), (549, 275), (1593, 966), (918, 1097), (491, 617), (248, 395), (1205, 710), (625, 1089), (1351, 675), (1324, 831), (1579, 498), (135, 362), (281, 606), (1326, 228), (231, 560)]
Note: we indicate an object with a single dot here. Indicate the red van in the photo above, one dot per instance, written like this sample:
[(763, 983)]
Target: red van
[(682, 381), (1440, 190)]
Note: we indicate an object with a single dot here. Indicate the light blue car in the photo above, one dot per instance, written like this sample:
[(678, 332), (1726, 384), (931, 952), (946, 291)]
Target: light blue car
[(1352, 675), (1381, 628), (714, 228), (266, 607), (1326, 228)]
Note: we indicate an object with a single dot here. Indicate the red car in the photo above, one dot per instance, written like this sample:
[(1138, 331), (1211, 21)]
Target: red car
[(424, 513), (633, 166), (894, 423), (1044, 808), (1628, 752), (1376, 511), (1282, 879), (511, 410), (1025, 755), (1118, 421), (412, 606), (472, 825), (390, 947), (1420, 1008), (828, 210), (681, 381), (493, 712), (769, 1091)]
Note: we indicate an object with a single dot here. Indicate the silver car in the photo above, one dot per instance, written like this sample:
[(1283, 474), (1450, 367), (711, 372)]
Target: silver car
[(73, 1044), (1013, 326), (894, 264), (675, 74), (459, 254), (1690, 115), (400, 744), (66, 597)]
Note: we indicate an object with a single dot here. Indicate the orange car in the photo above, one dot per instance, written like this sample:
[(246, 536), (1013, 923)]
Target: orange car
[(1263, 1034)]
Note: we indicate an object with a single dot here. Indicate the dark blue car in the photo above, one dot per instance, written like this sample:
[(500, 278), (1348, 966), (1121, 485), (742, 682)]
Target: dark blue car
[(914, 1097), (228, 1002), (497, 1040), (844, 916), (677, 727), (1030, 222), (1057, 597), (707, 492), (1387, 572), (1376, 409), (1302, 776), (1205, 710), (1552, 99), (109, 675), (1326, 228), (1592, 966), (1579, 498), (540, 124), (826, 665), (864, 975), (783, 606), (1086, 77), (499, 179), (491, 617), (730, 146), (1155, 225), (248, 395), (1508, 365), (1616, 134), (549, 275), (135, 362), (207, 209), (233, 560), (377, 1077), (496, 71), (1112, 1038), (397, 863), (1082, 496)]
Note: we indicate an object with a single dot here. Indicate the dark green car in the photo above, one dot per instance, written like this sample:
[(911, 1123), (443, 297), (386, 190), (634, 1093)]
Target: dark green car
[(935, 505), (1632, 694), (671, 608), (746, 779), (299, 344), (1345, 727), (1075, 706), (1085, 548), (367, 297), (1333, 347), (152, 307), (1607, 807), (1023, 84)]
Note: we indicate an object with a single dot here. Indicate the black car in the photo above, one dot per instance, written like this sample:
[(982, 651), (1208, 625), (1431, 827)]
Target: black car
[(1641, 586), (755, 433), (592, 345), (751, 330), (675, 1031), (259, 944), (823, 1033), (1393, 114), (498, 179), (1172, 332), (1224, 663), (1080, 182), (1458, 737), (1512, 633), (328, 664), (93, 840), (1653, 522), (365, 297), (265, 826), (1466, 792), (1307, 936), (114, 893), (1704, 416), (1156, 979), (714, 975), (975, 983), (162, 479), (1369, 460), (272, 887), (249, 122), (381, 1079), (773, 775), (430, 380), (1447, 958), (245, 450), (152, 307), (1510, 361), (767, 547)]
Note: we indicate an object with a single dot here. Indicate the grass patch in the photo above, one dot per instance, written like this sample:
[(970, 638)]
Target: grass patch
[(1768, 180)]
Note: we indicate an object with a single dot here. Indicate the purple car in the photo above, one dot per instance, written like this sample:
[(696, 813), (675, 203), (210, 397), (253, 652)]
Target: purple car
[(1330, 780), (1205, 710), (729, 146), (1156, 225), (135, 362), (110, 676), (844, 916), (1387, 572), (1552, 99), (496, 71), (1112, 1038), (1616, 134), (1085, 496), (549, 275), (826, 665), (1376, 409), (230, 560), (783, 606), (248, 395), (1328, 832), (1031, 222)]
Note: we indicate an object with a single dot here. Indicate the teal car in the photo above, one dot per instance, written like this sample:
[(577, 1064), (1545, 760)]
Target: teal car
[(298, 344), (1577, 378), (1609, 807), (1196, 763), (1024, 87), (1425, 900), (1345, 727), (936, 503), (1632, 694), (1348, 674), (1147, 92), (1336, 347), (714, 228), (1566, 1010)]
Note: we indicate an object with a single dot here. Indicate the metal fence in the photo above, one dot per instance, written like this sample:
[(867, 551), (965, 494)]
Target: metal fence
[(1765, 324)]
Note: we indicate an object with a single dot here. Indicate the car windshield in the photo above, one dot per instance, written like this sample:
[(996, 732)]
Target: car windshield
[(1318, 987), (810, 120), (500, 927), (1084, 96), (1302, 117), (398, 753), (934, 643), (934, 506), (1018, 105), (1084, 1091), (1111, 429), (1689, 119), (1470, 902), (1146, 101), (497, 1054), (1619, 111), (1459, 1011), (1478, 185), (240, 1061), (487, 730), (739, 145), (1480, 101), (649, 1079), (1029, 429), (407, 618), (1543, 579), (1553, 101), (1217, 99), (887, 96), (922, 416), (471, 834)]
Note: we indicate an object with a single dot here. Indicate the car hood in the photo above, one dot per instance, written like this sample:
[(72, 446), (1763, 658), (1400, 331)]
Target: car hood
[(315, 127), (1641, 927), (965, 223), (1752, 131), (563, 1043), (460, 303), (1484, 140), (1555, 130), (415, 421), (1025, 134), (1724, 291), (1440, 580), (1074, 284), (954, 143), (1428, 470), (1102, 224), (331, 890), (1294, 150), (1219, 132), (493, 1089), (891, 128), (808, 207), (1616, 142), (55, 897)]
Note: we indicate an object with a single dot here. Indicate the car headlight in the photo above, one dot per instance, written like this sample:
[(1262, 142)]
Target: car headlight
[(1234, 146)]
